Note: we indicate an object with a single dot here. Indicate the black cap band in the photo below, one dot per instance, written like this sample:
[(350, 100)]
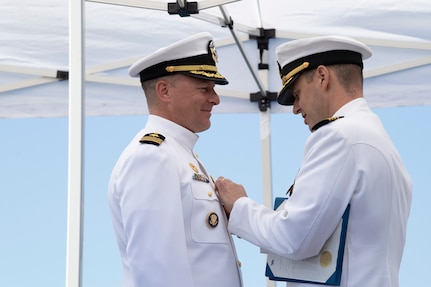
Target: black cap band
[(325, 58), (199, 66), (159, 70)]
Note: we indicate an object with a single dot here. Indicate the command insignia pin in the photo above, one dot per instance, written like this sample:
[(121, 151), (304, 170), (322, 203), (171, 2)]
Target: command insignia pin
[(212, 219)]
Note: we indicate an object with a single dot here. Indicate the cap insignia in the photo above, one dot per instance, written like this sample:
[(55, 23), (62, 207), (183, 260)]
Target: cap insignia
[(212, 50), (152, 138)]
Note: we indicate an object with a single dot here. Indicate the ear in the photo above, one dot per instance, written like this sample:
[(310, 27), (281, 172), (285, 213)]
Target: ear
[(323, 76), (162, 90)]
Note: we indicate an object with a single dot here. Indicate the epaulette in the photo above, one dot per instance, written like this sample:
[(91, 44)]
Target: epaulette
[(152, 138), (324, 122)]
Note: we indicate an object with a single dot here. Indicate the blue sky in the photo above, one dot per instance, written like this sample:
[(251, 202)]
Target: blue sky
[(33, 186)]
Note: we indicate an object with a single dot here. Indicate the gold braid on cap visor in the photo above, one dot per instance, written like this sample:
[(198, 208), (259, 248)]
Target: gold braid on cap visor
[(286, 79), (191, 68), (196, 69)]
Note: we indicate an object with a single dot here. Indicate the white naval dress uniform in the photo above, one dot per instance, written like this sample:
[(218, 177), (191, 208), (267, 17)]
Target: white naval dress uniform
[(161, 199), (350, 160)]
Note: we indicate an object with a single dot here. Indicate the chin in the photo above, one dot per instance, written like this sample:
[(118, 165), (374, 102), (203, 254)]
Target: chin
[(203, 128)]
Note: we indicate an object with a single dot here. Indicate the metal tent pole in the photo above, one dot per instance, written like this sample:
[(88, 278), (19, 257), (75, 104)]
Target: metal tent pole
[(265, 145), (75, 160)]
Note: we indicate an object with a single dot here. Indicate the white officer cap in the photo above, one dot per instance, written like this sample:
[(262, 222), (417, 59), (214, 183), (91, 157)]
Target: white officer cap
[(301, 55), (193, 56)]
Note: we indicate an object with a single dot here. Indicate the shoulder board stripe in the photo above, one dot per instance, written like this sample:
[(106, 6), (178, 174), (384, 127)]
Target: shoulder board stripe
[(152, 138)]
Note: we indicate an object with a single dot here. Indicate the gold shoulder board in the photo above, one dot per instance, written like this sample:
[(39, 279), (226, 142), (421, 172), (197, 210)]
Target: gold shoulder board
[(152, 138)]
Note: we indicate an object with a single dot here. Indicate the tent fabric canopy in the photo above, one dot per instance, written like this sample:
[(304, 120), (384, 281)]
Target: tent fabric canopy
[(34, 62), (35, 38)]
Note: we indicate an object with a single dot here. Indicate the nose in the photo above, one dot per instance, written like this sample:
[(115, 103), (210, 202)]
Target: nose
[(214, 98)]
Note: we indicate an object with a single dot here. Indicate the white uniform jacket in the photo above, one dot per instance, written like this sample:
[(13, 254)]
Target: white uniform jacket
[(169, 225), (350, 160)]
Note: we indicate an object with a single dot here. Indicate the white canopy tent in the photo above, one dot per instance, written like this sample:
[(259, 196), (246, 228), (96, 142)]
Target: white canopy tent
[(34, 55), (53, 67)]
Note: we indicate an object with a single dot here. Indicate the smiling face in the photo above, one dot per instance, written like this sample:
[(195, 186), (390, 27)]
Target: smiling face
[(188, 101)]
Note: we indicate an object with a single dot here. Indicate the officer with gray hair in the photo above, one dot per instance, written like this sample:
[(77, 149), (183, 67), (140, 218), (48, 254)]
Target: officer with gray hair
[(170, 227)]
